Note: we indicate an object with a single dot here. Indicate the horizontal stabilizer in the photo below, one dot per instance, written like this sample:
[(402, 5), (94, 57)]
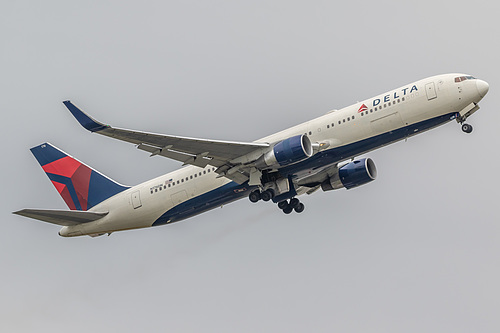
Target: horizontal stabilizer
[(61, 217)]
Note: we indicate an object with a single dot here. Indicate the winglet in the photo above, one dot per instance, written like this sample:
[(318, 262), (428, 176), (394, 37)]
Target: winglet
[(84, 119)]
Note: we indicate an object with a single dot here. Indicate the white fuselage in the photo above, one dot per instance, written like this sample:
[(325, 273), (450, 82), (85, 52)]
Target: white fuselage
[(350, 131)]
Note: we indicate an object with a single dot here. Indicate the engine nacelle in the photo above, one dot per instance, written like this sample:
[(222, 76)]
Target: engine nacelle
[(352, 175), (289, 151)]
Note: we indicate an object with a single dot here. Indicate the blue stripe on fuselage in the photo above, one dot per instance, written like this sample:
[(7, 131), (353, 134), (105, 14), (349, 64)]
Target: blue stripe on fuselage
[(212, 199), (233, 191)]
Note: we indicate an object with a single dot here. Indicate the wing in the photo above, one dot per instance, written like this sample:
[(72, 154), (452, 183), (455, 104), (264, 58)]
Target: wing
[(198, 152), (61, 217)]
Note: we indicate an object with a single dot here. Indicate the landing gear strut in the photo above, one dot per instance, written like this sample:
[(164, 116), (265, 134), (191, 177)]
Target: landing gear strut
[(466, 128)]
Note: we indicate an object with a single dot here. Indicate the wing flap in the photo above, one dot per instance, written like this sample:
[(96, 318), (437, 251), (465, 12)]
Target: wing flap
[(198, 160), (61, 217)]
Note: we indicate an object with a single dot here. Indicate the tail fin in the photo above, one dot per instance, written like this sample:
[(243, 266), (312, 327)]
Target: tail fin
[(80, 186)]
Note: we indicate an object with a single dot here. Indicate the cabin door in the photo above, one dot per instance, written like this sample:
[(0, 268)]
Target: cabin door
[(136, 199), (430, 89)]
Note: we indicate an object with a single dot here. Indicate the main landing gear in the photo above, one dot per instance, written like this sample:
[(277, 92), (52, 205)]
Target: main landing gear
[(257, 195), (288, 207), (285, 206), (466, 128)]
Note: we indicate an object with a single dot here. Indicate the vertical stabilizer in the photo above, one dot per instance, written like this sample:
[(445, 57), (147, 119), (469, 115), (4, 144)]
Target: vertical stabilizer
[(80, 186)]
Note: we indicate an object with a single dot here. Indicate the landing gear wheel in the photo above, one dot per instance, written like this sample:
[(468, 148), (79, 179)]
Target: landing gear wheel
[(466, 128), (282, 204), (287, 209), (254, 196), (266, 195), (294, 203), (300, 207)]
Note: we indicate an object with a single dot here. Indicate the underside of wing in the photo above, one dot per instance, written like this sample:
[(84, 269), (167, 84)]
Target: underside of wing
[(193, 151), (61, 217), (313, 178)]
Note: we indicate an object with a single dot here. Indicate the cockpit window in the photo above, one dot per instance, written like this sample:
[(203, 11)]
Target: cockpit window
[(463, 78)]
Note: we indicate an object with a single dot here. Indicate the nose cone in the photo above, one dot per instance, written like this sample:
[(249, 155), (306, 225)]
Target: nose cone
[(482, 87)]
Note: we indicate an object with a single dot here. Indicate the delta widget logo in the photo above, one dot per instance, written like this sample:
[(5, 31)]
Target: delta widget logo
[(362, 108)]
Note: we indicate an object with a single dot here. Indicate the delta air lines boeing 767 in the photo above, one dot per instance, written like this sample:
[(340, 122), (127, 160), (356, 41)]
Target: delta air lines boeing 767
[(318, 154)]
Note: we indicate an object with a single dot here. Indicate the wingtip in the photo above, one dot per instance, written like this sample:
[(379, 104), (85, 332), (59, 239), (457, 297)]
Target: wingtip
[(85, 120)]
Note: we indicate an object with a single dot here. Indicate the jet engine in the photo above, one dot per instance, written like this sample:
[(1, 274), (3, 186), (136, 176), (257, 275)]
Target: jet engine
[(289, 151), (352, 175)]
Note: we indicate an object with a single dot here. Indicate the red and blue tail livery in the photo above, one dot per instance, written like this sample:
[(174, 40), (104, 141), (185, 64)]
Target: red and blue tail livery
[(80, 186)]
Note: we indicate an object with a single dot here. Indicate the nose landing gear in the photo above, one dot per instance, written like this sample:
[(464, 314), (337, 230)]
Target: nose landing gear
[(466, 128)]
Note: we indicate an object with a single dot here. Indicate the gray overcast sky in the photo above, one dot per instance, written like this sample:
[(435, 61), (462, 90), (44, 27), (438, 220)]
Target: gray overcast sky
[(418, 250)]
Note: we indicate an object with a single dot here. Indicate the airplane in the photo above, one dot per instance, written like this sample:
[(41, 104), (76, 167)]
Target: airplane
[(318, 154)]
